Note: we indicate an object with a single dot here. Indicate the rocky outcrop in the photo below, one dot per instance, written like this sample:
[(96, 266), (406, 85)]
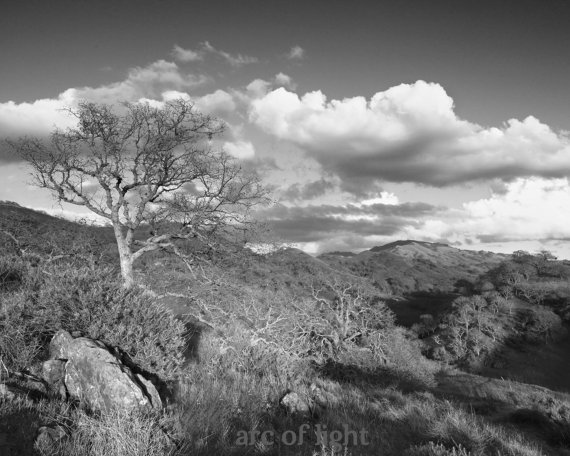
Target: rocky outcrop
[(90, 373)]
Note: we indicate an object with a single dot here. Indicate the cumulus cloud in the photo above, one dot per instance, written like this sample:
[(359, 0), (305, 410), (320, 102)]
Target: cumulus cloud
[(284, 80), (258, 88), (532, 208), (409, 133), (141, 82), (154, 83), (296, 53), (217, 103), (526, 209), (40, 116)]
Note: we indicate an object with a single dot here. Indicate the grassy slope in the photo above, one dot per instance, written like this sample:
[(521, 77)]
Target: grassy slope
[(408, 401)]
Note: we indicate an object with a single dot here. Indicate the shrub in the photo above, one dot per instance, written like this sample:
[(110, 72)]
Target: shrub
[(541, 324), (341, 313), (149, 334), (92, 301), (19, 344)]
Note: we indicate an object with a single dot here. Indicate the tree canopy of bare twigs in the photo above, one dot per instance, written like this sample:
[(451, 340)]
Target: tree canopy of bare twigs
[(137, 165)]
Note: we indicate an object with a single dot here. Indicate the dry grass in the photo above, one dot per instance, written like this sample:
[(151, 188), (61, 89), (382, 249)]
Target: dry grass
[(117, 434)]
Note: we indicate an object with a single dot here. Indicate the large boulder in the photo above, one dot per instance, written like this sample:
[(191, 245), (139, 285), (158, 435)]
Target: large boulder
[(93, 374)]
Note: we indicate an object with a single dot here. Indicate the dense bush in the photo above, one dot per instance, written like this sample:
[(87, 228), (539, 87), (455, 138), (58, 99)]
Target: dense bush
[(92, 301), (342, 313), (472, 329), (541, 324)]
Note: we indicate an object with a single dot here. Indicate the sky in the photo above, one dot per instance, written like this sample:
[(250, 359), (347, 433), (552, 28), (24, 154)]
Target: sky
[(443, 121)]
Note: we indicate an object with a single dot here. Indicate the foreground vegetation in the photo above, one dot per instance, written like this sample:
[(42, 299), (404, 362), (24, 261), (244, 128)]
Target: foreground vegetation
[(226, 346)]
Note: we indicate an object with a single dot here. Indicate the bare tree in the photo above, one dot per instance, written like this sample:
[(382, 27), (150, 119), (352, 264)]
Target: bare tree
[(136, 166)]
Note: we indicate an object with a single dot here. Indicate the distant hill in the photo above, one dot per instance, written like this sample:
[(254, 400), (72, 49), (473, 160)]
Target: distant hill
[(416, 266), (398, 268), (394, 245)]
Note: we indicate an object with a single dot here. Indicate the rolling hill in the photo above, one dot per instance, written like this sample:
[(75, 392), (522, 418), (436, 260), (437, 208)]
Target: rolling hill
[(414, 266)]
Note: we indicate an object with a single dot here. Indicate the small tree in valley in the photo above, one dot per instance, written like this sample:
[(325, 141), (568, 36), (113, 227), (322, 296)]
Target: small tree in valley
[(142, 166)]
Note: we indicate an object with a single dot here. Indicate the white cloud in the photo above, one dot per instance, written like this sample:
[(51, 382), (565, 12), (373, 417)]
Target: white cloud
[(532, 208), (186, 55), (409, 133), (258, 88), (39, 117), (296, 53), (527, 209), (384, 198), (160, 80), (240, 149), (141, 82), (217, 103), (282, 79), (169, 95)]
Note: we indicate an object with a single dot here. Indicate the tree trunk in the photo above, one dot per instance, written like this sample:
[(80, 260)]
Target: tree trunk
[(126, 259)]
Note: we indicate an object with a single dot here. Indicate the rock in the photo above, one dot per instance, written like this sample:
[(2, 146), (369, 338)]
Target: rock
[(150, 391), (49, 437), (59, 345), (295, 405), (96, 376), (53, 372)]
